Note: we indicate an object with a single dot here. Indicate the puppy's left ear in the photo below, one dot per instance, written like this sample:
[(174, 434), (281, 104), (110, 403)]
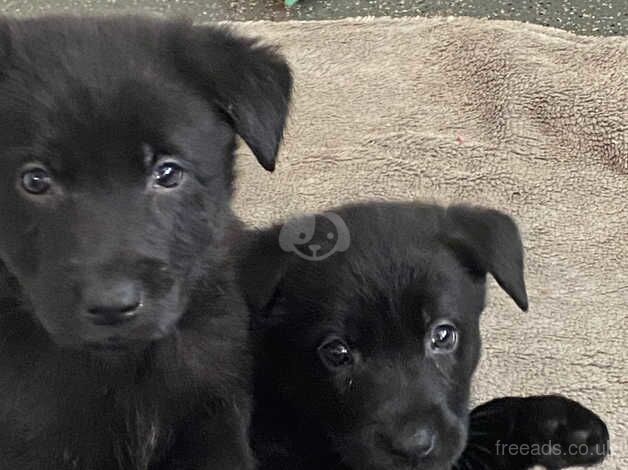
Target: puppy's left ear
[(249, 82), (260, 267), (487, 240)]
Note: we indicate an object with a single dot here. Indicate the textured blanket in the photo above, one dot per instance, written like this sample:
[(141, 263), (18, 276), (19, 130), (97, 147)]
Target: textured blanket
[(527, 119)]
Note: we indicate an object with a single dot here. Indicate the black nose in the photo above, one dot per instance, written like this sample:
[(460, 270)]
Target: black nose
[(112, 303), (415, 445)]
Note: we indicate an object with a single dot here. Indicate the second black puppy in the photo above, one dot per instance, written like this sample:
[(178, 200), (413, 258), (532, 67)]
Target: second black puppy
[(368, 327)]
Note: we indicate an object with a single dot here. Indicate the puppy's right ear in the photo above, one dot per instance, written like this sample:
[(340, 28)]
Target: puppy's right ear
[(261, 265), (6, 45), (5, 289), (10, 292)]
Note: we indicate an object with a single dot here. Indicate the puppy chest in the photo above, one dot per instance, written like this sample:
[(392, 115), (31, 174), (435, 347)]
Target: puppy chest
[(88, 437)]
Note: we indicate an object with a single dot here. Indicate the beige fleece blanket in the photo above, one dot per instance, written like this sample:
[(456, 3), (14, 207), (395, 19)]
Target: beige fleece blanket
[(527, 119)]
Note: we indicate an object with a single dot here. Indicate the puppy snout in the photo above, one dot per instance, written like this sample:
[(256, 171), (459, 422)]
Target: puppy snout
[(112, 303), (415, 445)]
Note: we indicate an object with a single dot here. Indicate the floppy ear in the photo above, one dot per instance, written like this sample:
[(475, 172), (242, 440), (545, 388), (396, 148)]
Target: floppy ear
[(487, 240), (5, 45), (261, 265), (5, 289), (249, 82), (10, 293)]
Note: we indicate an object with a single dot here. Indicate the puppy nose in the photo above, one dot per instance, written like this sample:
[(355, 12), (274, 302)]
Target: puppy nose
[(112, 304), (416, 445)]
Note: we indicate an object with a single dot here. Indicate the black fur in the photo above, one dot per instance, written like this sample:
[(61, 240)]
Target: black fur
[(515, 433), (394, 400), (98, 103)]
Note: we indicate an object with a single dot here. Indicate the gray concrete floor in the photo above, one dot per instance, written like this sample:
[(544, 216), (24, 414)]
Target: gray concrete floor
[(594, 17)]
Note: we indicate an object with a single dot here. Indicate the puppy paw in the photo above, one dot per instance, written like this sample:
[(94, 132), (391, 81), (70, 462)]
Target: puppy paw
[(516, 433), (565, 433)]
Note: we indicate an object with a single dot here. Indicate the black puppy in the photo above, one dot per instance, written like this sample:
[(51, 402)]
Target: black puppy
[(515, 433), (366, 356), (123, 342), (366, 320)]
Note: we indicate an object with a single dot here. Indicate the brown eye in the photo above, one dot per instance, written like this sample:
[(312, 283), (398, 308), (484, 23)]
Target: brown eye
[(335, 354), (36, 181), (168, 175), (444, 338)]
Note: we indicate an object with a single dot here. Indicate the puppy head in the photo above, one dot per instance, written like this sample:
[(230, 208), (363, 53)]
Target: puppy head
[(116, 158), (377, 344)]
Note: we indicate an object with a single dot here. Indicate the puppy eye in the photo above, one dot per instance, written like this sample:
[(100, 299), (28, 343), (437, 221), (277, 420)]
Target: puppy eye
[(36, 181), (335, 354), (444, 338), (168, 175)]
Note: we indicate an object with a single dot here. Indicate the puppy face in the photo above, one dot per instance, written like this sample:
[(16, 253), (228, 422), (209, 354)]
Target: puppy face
[(377, 345), (117, 139)]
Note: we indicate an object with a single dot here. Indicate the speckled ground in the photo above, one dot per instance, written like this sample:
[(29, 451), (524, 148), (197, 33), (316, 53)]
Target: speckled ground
[(593, 17)]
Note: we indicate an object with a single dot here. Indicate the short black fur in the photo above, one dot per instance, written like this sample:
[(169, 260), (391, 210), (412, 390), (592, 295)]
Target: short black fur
[(517, 433)]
